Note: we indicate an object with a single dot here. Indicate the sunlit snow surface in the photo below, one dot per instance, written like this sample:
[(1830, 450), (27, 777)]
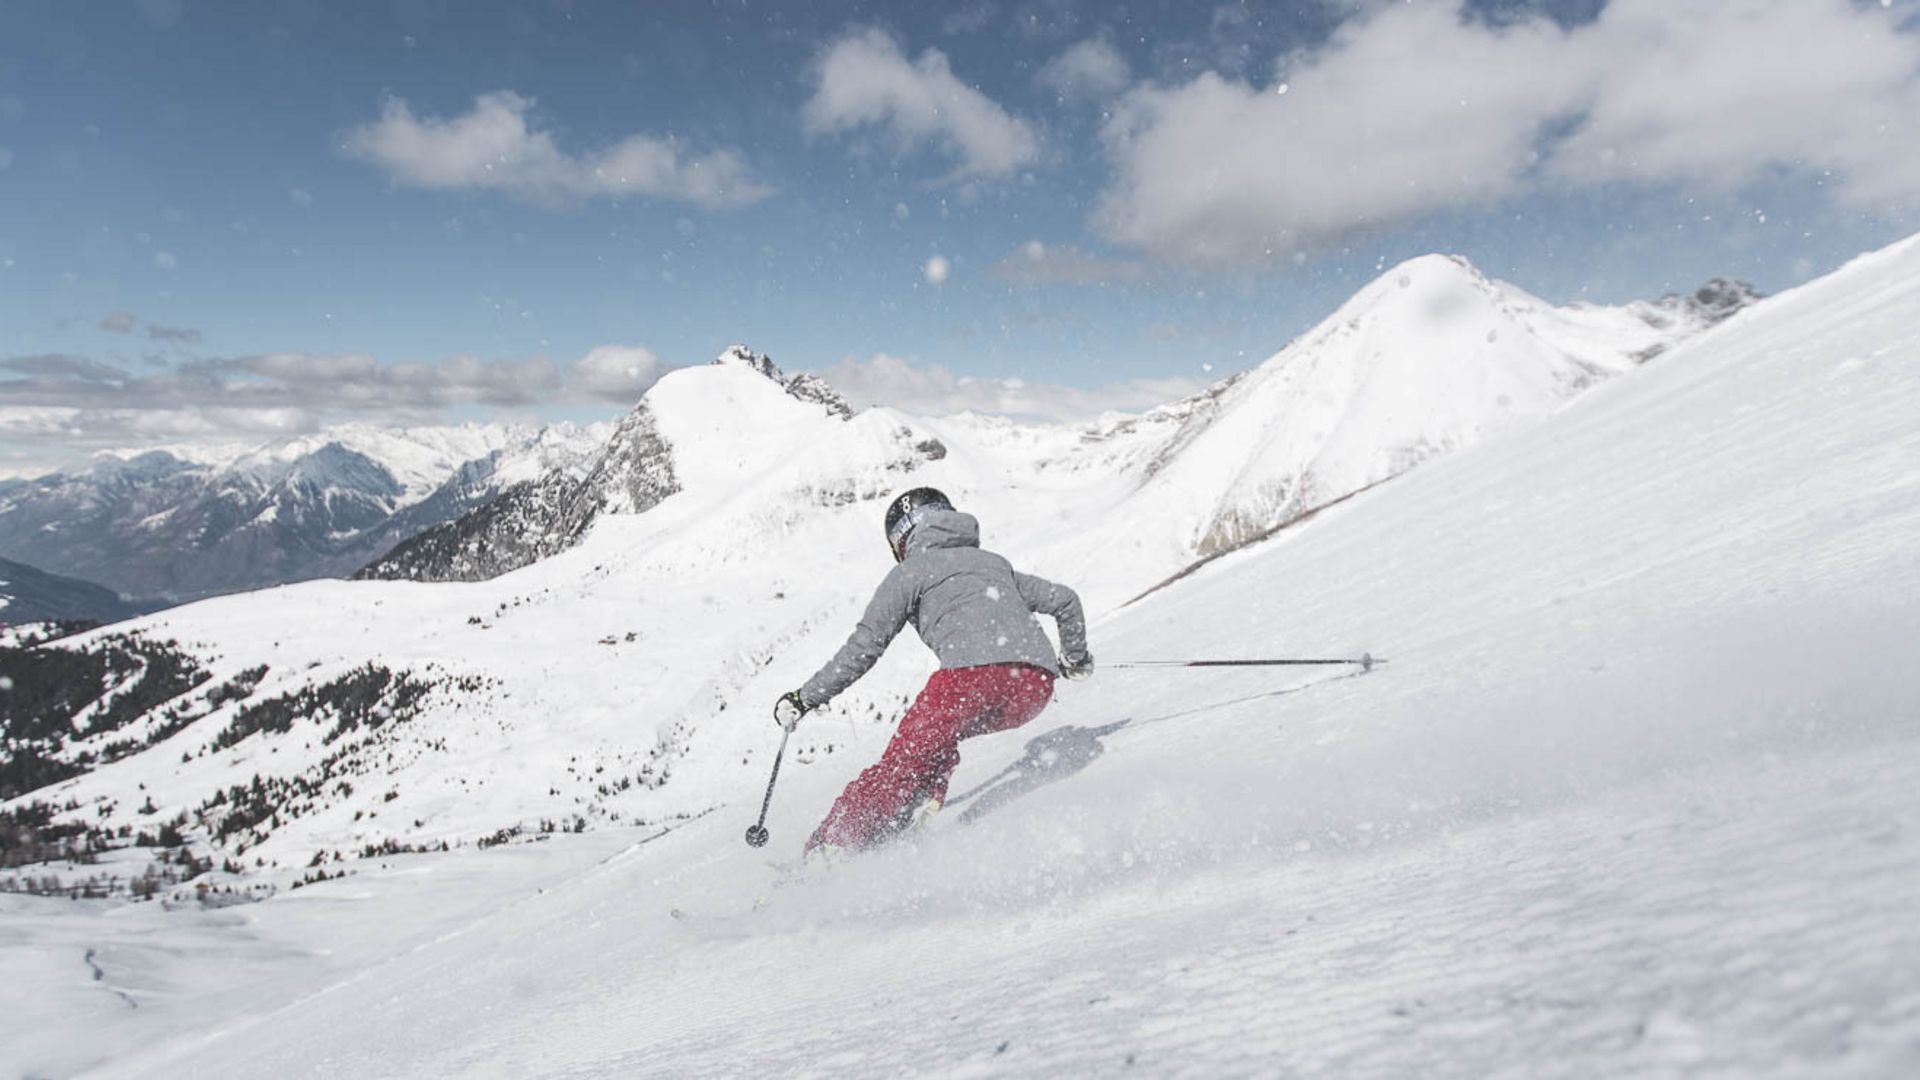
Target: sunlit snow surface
[(1635, 794)]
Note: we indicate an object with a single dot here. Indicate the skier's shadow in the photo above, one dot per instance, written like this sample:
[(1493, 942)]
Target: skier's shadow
[(1055, 755)]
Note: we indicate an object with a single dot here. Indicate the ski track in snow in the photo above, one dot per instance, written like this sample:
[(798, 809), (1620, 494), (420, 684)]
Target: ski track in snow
[(1581, 943)]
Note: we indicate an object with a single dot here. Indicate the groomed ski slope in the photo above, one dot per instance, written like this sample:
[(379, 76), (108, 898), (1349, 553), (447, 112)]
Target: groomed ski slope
[(1635, 796)]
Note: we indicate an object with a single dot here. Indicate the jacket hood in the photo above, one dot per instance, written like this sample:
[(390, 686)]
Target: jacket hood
[(944, 529)]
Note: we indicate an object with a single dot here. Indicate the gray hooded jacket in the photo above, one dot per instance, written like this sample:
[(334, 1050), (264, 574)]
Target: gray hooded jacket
[(970, 606)]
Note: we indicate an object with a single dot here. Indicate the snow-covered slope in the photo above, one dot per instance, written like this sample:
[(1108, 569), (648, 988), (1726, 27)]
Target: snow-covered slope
[(1430, 357), (1632, 796)]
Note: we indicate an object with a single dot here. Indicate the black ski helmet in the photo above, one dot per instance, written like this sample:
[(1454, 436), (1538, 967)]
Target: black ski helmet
[(903, 513)]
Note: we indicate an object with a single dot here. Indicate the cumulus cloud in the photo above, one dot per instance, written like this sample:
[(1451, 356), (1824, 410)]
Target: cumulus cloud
[(617, 373), (1720, 94), (494, 147), (1412, 109), (933, 390), (1091, 70), (1035, 263), (866, 80), (119, 322)]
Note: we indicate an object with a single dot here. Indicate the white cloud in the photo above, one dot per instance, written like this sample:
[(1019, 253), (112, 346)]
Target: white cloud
[(1091, 70), (87, 429), (1035, 263), (287, 380), (55, 405), (166, 260), (35, 441), (865, 79), (616, 373), (119, 322), (933, 390), (1412, 109), (494, 148), (937, 270), (1719, 95)]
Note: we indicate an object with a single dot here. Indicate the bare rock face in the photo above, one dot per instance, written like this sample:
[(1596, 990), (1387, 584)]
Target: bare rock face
[(539, 518), (814, 389), (1721, 297), (1709, 305), (804, 387)]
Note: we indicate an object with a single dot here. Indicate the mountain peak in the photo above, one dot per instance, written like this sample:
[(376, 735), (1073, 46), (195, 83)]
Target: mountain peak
[(811, 389), (746, 357), (1429, 356), (1427, 274)]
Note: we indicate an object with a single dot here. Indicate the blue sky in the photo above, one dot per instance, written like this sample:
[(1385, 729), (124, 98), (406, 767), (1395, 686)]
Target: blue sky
[(238, 220)]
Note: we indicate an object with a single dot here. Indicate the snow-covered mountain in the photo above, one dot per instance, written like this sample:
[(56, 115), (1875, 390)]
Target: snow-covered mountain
[(192, 522), (1430, 357), (730, 517), (1632, 795), (637, 467)]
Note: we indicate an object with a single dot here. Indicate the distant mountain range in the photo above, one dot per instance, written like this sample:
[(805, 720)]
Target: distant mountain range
[(183, 524)]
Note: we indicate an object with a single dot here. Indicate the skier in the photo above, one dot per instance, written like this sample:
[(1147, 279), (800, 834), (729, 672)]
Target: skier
[(996, 666)]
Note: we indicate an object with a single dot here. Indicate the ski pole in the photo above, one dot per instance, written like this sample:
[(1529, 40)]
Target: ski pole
[(757, 832), (1366, 662)]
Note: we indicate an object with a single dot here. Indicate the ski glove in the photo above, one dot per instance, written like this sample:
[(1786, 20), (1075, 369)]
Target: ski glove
[(789, 709), (1077, 667)]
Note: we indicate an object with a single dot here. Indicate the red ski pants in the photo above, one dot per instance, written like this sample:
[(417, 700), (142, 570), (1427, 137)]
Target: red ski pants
[(957, 703)]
